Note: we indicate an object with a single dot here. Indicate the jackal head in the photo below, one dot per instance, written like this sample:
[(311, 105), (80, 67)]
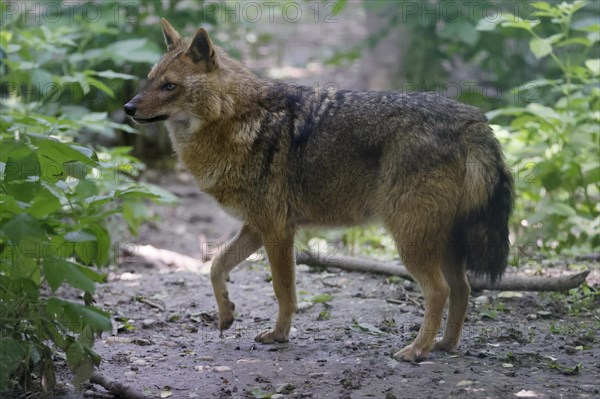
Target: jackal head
[(184, 85)]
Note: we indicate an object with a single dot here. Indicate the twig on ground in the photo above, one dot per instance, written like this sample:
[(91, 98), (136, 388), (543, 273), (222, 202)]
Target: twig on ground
[(152, 304), (510, 282), (116, 388), (97, 395)]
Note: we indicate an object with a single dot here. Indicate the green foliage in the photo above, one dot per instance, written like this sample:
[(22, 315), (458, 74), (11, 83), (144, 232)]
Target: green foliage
[(575, 302), (321, 298), (57, 197), (554, 140)]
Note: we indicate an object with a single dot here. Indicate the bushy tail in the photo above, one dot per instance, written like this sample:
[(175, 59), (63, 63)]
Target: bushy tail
[(483, 232)]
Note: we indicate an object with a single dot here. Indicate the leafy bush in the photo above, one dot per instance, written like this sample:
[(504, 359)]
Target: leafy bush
[(57, 196), (554, 140)]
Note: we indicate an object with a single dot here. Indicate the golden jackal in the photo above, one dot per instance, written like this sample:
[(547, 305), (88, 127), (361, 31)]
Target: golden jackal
[(279, 156)]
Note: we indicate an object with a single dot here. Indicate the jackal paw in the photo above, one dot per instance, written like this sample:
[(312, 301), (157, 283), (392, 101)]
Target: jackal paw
[(443, 346), (226, 316), (411, 354), (271, 336)]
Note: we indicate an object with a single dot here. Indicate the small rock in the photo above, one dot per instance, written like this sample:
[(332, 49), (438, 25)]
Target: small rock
[(464, 383), (570, 350), (130, 375), (205, 358), (482, 300), (139, 362), (141, 341), (247, 361), (147, 323), (293, 332), (302, 306), (531, 316), (510, 294), (276, 396), (390, 396), (221, 369)]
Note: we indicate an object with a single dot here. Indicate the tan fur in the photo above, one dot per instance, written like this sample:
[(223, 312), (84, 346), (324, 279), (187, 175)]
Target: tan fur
[(278, 156)]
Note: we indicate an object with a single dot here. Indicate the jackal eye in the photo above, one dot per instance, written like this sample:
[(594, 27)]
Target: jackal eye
[(168, 86)]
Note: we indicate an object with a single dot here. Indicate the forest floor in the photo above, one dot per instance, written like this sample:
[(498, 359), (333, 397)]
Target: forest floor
[(167, 344)]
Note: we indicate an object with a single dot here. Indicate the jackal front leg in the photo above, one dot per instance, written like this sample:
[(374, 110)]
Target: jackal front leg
[(244, 244), (280, 251)]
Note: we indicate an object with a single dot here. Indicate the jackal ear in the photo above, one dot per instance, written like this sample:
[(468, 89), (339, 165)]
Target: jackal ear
[(170, 34), (202, 49)]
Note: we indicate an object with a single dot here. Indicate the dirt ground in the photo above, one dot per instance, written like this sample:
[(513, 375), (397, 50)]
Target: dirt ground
[(167, 343)]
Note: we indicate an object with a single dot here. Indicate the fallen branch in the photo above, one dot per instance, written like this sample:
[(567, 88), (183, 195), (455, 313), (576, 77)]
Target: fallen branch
[(116, 388), (510, 282)]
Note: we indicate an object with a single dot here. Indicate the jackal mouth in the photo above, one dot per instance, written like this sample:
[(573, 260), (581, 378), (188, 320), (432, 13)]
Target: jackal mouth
[(152, 120)]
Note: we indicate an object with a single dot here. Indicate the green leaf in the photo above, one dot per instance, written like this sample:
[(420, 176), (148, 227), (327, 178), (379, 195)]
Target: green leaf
[(44, 204), (133, 50), (63, 153), (11, 356), (58, 271), (78, 316), (463, 31), (109, 74), (593, 65), (543, 112), (260, 394), (551, 180), (565, 369), (591, 172), (366, 328), (100, 249), (8, 207), (23, 227), (147, 190), (575, 40), (542, 5), (540, 47), (560, 209), (81, 360), (22, 173), (513, 21), (100, 86), (95, 251), (486, 25)]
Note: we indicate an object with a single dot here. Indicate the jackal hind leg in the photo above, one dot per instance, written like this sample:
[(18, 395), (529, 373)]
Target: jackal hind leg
[(456, 277), (420, 232), (428, 273)]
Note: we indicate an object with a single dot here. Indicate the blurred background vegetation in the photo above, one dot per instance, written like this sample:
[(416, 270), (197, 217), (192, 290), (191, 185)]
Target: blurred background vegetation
[(72, 167)]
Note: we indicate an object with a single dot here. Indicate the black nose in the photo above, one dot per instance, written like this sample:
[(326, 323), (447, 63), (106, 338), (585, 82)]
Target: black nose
[(130, 109)]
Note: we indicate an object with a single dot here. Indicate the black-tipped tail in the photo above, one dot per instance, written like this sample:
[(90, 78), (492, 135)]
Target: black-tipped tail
[(484, 232)]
